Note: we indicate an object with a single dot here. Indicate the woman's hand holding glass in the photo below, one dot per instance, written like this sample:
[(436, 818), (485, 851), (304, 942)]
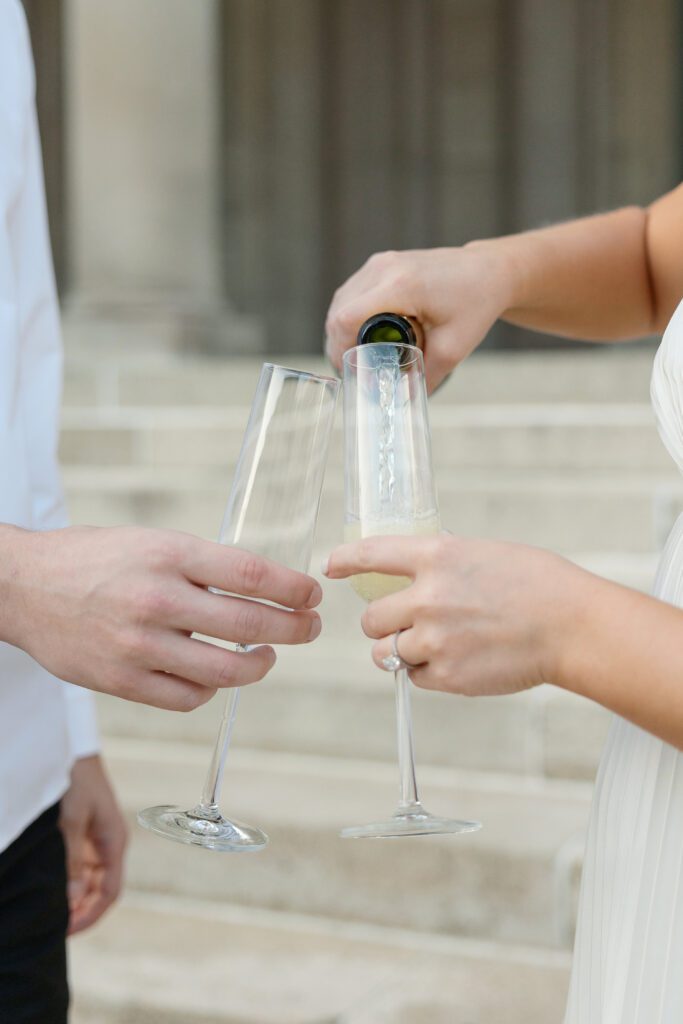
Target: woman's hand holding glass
[(480, 618)]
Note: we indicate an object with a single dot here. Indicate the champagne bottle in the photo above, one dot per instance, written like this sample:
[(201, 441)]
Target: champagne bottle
[(392, 328)]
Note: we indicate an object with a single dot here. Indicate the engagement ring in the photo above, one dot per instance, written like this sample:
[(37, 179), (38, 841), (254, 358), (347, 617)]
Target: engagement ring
[(394, 662)]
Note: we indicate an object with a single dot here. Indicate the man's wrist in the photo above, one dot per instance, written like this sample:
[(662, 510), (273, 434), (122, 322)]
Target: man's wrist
[(15, 557)]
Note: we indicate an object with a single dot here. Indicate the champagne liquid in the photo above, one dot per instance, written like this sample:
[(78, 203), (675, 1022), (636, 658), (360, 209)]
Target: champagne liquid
[(373, 585)]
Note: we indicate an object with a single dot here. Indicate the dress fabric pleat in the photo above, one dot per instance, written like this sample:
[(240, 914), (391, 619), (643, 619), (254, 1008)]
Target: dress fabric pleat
[(628, 954)]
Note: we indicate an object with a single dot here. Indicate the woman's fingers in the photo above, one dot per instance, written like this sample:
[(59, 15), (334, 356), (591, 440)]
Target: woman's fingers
[(364, 280), (383, 617), (440, 355), (240, 620), (408, 645), (387, 282), (396, 556), (344, 322)]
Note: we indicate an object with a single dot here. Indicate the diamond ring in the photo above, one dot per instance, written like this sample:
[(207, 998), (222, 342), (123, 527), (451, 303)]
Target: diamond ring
[(394, 662)]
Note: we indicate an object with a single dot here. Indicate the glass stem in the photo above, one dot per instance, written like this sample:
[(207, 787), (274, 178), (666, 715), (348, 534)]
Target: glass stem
[(208, 805), (408, 798)]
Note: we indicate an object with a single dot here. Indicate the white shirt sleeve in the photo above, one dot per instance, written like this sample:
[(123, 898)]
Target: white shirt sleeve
[(81, 719), (41, 363)]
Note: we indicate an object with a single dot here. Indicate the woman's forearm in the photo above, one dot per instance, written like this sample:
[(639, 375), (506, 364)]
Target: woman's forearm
[(604, 278), (609, 277), (587, 279), (624, 650)]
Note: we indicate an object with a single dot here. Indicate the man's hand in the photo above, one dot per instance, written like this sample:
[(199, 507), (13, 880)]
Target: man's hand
[(115, 609), (95, 836)]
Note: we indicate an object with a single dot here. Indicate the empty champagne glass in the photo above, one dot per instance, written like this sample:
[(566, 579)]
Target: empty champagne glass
[(271, 511), (389, 489)]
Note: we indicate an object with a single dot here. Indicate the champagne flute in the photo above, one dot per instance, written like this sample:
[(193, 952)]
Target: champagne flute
[(389, 489), (271, 511)]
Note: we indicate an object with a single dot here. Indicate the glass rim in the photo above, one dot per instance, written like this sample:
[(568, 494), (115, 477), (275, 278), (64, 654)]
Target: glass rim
[(322, 378), (352, 353)]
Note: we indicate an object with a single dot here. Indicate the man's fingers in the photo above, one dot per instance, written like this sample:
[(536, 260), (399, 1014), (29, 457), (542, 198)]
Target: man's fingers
[(395, 556), (172, 690), (104, 860), (167, 691), (73, 831), (244, 621), (104, 849), (237, 571), (110, 847), (92, 907), (211, 666)]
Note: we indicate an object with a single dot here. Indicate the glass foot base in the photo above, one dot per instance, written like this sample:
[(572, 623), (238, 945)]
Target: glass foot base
[(413, 822), (212, 831)]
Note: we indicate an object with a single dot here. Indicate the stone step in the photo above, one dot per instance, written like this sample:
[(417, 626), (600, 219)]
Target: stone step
[(565, 511), (514, 881), (179, 961), (330, 700), (145, 329), (108, 374), (532, 438)]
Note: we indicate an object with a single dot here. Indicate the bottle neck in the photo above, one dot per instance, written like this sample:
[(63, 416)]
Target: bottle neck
[(390, 328)]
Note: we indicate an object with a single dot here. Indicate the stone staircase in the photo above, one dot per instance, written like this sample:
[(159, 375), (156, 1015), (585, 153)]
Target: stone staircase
[(316, 930)]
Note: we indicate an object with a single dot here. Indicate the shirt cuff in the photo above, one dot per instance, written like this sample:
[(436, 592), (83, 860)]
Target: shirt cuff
[(81, 718)]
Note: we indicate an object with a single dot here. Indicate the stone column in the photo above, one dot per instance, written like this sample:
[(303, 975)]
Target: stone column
[(143, 127), (546, 124)]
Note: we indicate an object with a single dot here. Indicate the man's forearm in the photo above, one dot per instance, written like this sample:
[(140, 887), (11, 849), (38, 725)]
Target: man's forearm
[(587, 279), (624, 650)]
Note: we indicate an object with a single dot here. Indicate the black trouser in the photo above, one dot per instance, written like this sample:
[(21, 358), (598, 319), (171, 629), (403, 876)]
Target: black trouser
[(33, 922)]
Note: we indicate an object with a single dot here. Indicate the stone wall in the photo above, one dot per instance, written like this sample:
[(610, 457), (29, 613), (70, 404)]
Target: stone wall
[(228, 162)]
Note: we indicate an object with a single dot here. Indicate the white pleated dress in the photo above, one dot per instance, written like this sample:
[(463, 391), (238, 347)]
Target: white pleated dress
[(628, 956)]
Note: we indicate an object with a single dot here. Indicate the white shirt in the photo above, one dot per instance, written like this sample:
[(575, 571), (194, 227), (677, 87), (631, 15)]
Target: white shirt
[(45, 724)]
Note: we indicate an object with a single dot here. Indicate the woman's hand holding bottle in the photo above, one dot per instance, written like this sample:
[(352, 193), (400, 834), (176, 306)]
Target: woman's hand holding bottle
[(456, 294), (597, 279)]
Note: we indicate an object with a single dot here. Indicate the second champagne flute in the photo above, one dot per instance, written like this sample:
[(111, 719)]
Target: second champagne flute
[(271, 511), (389, 489)]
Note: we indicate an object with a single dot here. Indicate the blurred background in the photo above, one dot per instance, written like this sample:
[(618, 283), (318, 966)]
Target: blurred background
[(214, 169)]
